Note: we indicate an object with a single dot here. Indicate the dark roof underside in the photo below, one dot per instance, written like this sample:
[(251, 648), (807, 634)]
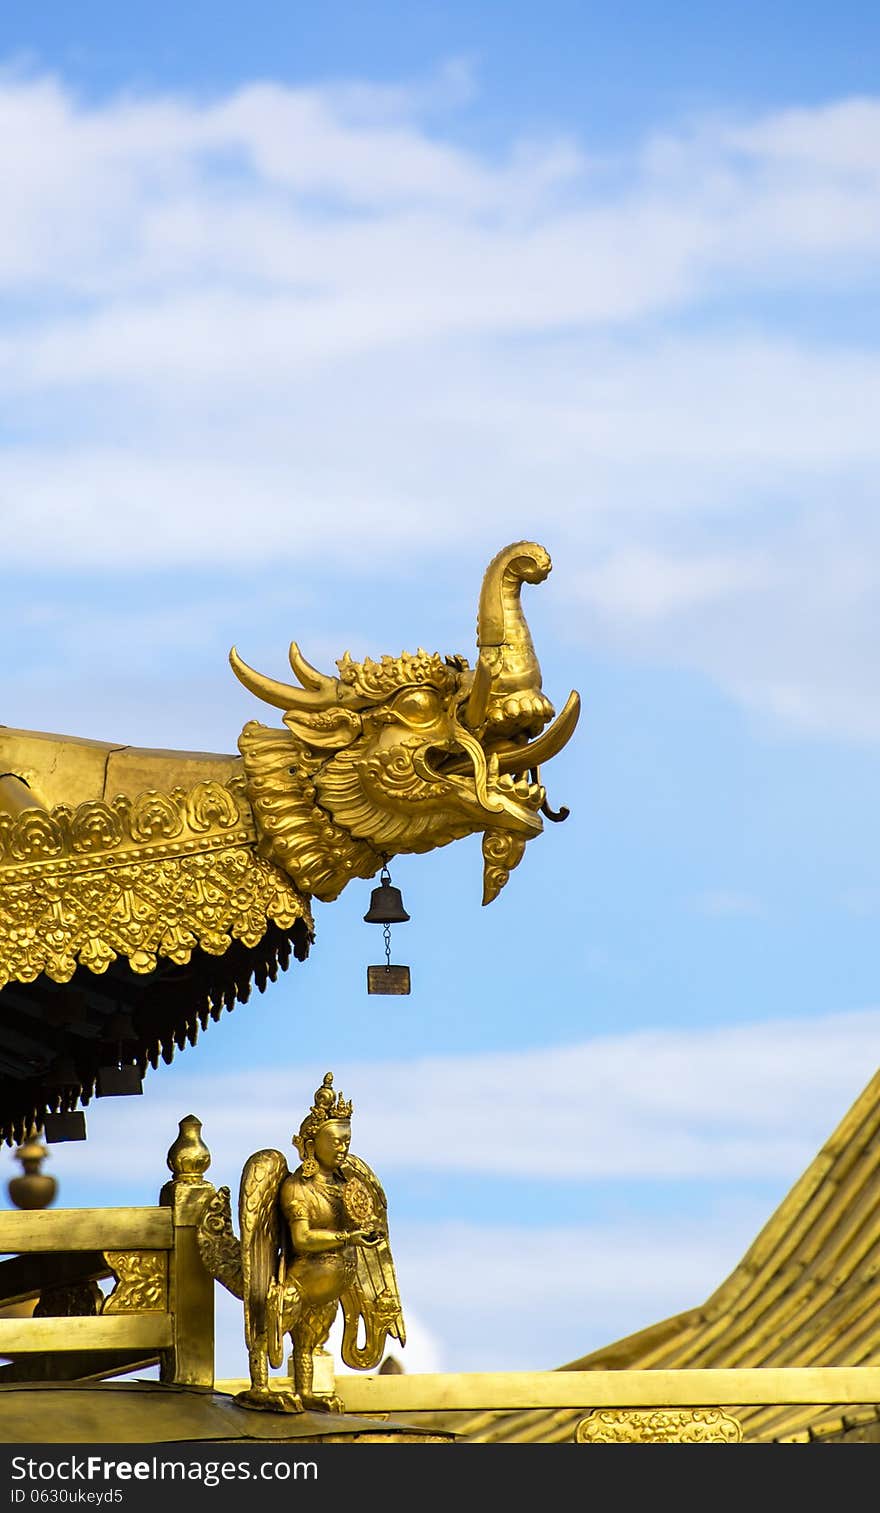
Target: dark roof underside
[(55, 1037)]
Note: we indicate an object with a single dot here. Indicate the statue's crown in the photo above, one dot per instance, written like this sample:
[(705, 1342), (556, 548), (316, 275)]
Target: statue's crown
[(326, 1106)]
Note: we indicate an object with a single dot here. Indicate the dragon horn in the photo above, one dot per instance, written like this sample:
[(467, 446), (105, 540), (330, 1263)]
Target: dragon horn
[(319, 692)]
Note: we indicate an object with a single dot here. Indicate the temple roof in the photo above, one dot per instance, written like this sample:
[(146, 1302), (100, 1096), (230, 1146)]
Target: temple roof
[(144, 1412), (806, 1293), (55, 1039), (126, 924)]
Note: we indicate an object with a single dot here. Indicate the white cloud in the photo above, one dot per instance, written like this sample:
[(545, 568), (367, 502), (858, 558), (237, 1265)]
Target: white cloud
[(642, 585), (715, 1104), (527, 1290), (290, 312), (843, 137), (517, 1298)]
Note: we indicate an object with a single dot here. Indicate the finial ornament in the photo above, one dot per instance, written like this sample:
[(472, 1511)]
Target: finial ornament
[(34, 1188), (189, 1157)]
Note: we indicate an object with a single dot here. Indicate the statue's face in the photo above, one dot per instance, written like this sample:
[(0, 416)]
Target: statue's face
[(331, 1143)]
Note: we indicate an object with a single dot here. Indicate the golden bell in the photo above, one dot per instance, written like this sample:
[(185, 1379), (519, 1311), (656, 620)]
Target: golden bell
[(386, 905)]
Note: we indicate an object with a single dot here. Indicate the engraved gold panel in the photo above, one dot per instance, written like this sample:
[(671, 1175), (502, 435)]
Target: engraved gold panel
[(141, 1281), (658, 1426)]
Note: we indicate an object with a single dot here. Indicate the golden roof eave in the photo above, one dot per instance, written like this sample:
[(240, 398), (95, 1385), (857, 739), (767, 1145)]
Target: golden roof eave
[(128, 889), (144, 878)]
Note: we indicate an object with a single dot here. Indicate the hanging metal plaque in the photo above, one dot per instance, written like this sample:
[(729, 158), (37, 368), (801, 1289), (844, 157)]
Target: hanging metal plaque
[(388, 979), (58, 1127), (118, 1082)]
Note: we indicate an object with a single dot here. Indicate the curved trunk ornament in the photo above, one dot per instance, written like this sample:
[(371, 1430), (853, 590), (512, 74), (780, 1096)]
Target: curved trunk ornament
[(506, 706), (506, 697)]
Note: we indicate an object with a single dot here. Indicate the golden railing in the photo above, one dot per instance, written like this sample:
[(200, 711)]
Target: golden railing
[(690, 1405), (160, 1310)]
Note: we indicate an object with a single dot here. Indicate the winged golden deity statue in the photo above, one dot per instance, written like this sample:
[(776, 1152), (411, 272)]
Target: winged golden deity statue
[(182, 878), (311, 1240)]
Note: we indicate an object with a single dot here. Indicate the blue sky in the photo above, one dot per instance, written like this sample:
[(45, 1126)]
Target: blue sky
[(305, 312)]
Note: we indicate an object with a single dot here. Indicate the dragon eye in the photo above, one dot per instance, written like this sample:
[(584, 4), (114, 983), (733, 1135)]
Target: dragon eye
[(421, 706)]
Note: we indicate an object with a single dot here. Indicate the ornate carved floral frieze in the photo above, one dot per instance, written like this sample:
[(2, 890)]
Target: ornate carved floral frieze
[(153, 876), (658, 1426), (141, 1281)]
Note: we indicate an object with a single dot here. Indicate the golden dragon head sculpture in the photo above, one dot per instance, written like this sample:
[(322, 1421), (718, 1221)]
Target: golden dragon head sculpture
[(128, 863), (411, 752)]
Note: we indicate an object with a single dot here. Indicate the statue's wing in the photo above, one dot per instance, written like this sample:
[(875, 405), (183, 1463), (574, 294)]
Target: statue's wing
[(260, 1223), (373, 1297), (219, 1249)]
